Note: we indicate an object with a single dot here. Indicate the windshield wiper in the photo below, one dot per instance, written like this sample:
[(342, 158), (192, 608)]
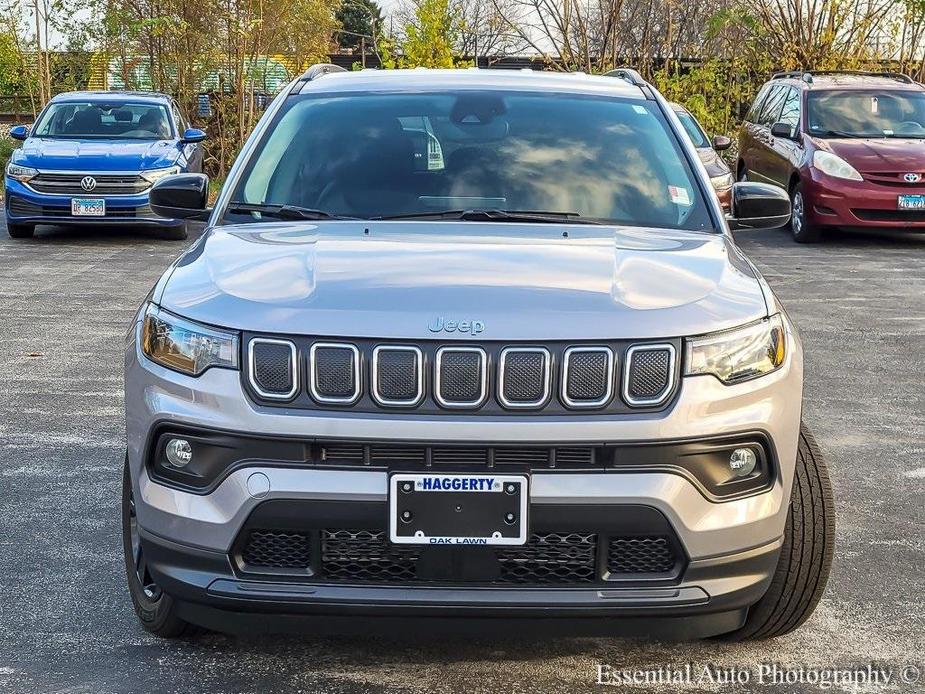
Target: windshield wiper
[(496, 215), (283, 211), (840, 133)]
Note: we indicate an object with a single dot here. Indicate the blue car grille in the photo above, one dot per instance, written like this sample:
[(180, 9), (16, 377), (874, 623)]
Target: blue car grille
[(106, 184)]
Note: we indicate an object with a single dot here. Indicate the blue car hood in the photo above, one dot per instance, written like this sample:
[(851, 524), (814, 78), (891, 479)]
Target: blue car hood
[(96, 155)]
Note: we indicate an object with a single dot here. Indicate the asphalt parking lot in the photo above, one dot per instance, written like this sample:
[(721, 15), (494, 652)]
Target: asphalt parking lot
[(66, 623)]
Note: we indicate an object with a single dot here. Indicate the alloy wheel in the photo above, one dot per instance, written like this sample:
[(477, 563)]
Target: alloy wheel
[(796, 217)]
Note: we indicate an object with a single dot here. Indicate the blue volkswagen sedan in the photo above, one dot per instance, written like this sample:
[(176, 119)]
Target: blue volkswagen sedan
[(91, 157)]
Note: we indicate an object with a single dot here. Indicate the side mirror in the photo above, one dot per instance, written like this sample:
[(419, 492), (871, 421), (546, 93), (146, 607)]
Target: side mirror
[(19, 132), (758, 206), (191, 135), (181, 196), (782, 130), (721, 142)]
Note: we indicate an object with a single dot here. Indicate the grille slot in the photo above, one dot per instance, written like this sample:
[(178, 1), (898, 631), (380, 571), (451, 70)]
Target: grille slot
[(523, 379), (343, 454), (398, 377), (461, 378), (551, 558), (649, 374), (335, 373), (532, 457), (273, 367), (641, 555), (365, 555), (587, 376), (459, 456), (277, 549), (575, 457), (392, 455)]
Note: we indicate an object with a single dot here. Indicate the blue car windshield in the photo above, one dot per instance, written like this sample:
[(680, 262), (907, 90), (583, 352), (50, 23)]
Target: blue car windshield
[(608, 159), (74, 119)]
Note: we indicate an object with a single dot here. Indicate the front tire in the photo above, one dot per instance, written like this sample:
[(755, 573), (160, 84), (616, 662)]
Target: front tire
[(806, 555), (154, 608), (804, 230), (20, 231)]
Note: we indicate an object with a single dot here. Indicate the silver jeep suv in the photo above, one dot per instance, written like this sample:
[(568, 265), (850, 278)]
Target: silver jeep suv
[(464, 344)]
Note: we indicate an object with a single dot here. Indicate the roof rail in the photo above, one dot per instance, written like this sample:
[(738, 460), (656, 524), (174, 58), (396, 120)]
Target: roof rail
[(808, 75), (316, 71), (628, 74)]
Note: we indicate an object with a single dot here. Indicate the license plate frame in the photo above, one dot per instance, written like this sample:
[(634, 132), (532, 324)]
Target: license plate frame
[(88, 207), (458, 509), (910, 202)]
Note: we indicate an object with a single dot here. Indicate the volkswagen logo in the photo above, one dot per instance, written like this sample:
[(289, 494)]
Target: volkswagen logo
[(912, 178), (88, 183)]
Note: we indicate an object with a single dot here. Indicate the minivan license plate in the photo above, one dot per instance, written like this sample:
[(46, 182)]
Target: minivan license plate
[(458, 509), (87, 207), (911, 202)]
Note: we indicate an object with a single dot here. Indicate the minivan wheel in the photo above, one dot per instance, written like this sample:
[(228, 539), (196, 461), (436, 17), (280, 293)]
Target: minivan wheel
[(20, 231), (806, 555), (803, 230), (155, 609)]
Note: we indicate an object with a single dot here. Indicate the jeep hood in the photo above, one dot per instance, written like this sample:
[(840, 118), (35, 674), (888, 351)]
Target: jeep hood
[(96, 155), (521, 282)]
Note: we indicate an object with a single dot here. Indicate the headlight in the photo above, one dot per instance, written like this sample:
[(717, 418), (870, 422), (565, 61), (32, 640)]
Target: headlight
[(738, 354), (833, 165), (152, 175), (186, 346), (722, 182), (20, 173)]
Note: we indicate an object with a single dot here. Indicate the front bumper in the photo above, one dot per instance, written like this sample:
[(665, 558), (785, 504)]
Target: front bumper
[(859, 204), (25, 206), (730, 547)]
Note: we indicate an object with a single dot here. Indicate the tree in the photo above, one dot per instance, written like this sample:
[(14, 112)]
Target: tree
[(428, 38), (358, 19)]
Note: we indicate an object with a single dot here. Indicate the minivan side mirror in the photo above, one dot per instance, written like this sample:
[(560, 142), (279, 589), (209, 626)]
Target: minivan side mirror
[(758, 206), (721, 142), (19, 132), (181, 196), (191, 135), (782, 130)]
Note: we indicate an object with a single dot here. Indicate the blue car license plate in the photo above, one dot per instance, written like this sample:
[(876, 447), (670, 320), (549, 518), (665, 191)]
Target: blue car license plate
[(911, 202), (86, 207)]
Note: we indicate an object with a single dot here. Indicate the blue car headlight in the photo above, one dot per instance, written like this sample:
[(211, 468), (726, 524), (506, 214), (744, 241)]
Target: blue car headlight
[(152, 175), (20, 173)]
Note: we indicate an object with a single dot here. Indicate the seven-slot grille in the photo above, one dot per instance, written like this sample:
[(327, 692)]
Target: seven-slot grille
[(106, 184), (432, 377)]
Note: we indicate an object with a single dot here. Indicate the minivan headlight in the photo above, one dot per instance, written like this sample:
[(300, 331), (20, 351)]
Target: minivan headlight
[(834, 165), (738, 354), (186, 346), (152, 175), (21, 173)]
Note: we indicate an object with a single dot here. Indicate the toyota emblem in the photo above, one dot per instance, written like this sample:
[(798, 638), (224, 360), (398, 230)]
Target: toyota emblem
[(88, 183), (912, 178)]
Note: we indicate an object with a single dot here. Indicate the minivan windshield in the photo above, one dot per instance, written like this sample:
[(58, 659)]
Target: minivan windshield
[(97, 120), (694, 131), (507, 156), (867, 113)]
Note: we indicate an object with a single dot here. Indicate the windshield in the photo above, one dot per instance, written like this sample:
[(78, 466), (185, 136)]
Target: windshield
[(693, 130), (418, 154), (104, 121), (866, 114)]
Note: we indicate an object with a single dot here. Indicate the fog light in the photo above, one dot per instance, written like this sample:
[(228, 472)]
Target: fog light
[(179, 452), (742, 462)]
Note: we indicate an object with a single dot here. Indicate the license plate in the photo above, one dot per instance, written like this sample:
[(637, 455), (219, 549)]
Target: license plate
[(911, 202), (84, 207), (457, 509)]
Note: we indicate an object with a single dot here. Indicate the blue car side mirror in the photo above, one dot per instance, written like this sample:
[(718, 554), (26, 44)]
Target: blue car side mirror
[(193, 135), (19, 132)]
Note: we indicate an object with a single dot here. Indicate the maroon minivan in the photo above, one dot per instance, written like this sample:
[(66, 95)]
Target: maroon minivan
[(848, 146)]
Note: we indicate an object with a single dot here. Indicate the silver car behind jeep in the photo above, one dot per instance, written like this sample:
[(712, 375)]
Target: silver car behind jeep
[(466, 344)]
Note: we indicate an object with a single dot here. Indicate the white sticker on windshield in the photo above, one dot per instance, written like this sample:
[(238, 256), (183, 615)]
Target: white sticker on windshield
[(874, 104), (679, 195), (639, 109)]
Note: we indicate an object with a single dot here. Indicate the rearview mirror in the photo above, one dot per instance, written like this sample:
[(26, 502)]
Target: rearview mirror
[(181, 196), (191, 135), (19, 132), (721, 142), (782, 130), (758, 206)]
